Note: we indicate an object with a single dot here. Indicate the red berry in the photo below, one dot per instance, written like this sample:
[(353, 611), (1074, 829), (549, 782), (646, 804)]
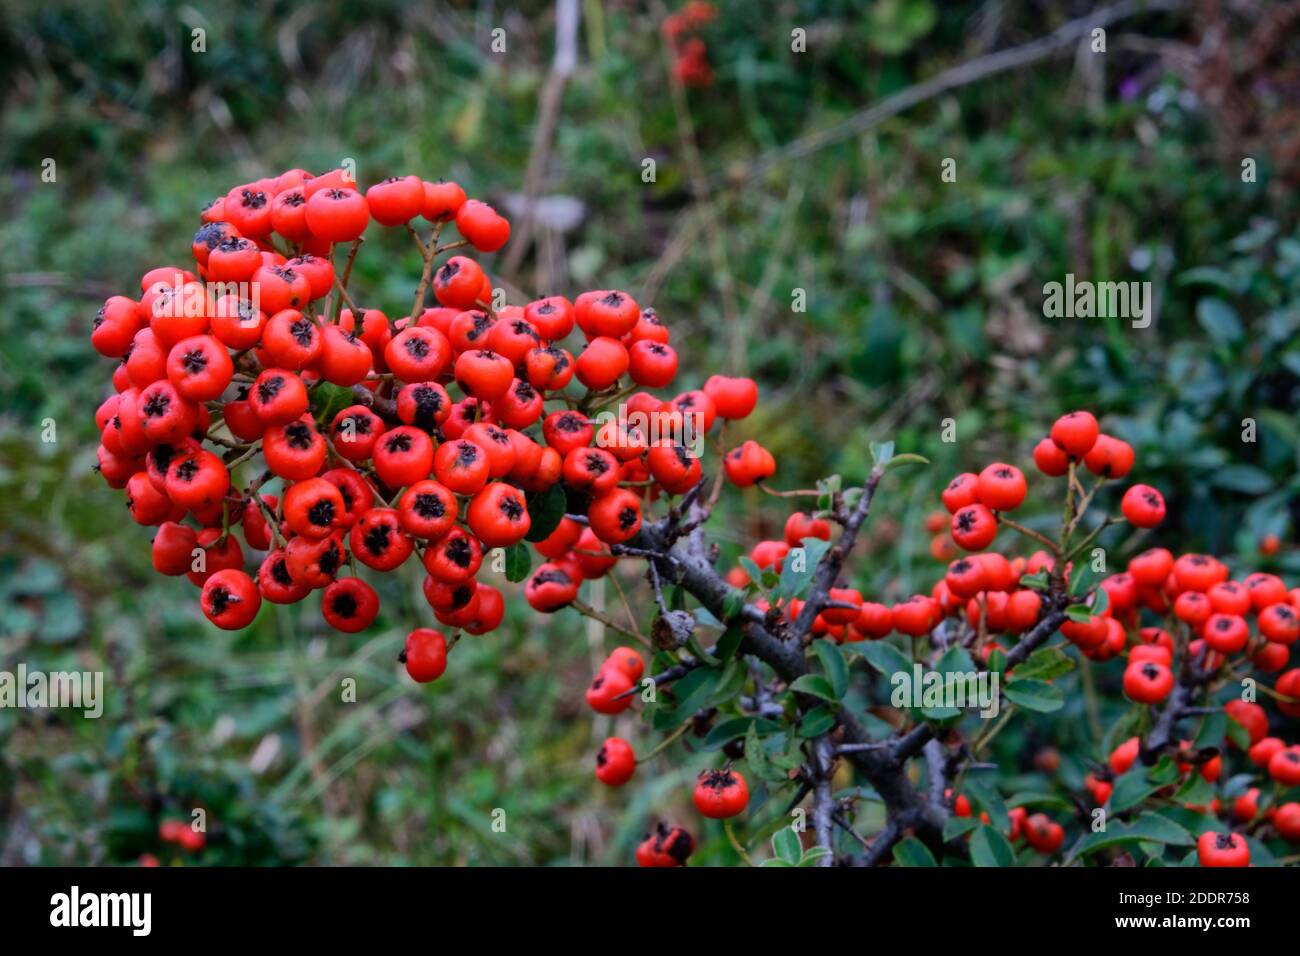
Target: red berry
[(720, 794), (1143, 506), (1001, 487), (1075, 433), (1222, 849), (615, 762), (230, 599), (425, 654)]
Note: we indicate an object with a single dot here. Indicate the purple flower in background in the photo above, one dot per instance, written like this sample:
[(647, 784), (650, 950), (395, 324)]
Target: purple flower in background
[(1129, 88)]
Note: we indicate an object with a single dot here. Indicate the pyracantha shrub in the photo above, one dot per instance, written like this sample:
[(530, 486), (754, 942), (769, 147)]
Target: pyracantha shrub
[(278, 435)]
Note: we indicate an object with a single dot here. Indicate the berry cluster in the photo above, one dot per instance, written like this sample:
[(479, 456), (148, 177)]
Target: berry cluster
[(255, 401), (1163, 615), (434, 434), (690, 53)]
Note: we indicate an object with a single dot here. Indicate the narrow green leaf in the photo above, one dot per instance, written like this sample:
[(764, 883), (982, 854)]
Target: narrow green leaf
[(816, 722), (816, 685), (837, 671), (1045, 663), (881, 655), (910, 851), (786, 845), (1034, 695), (988, 847), (519, 561), (545, 511)]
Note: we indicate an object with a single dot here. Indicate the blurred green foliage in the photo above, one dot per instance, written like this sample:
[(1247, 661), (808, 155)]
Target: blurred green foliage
[(923, 303)]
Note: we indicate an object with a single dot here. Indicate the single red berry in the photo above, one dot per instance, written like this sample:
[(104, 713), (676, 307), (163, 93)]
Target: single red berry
[(1050, 459), (498, 515), (1222, 849), (615, 517), (425, 654), (615, 762), (974, 527), (482, 225), (230, 599), (1075, 433), (551, 588), (456, 557), (666, 847), (349, 605), (441, 201), (720, 794), (1001, 487), (337, 215), (1143, 506), (1148, 682), (403, 456), (396, 200), (378, 540), (1109, 457), (961, 492)]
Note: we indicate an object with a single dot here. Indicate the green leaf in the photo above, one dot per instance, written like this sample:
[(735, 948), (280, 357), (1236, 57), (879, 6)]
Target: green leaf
[(955, 827), (695, 690), (732, 682), (519, 561), (1150, 827), (1209, 275), (1158, 828), (545, 511), (881, 452), (728, 644), (1219, 320), (812, 855), (1034, 695), (816, 685), (732, 604), (1246, 479), (1082, 578), (1038, 581), (988, 847), (1131, 788), (882, 656), (1040, 800), (816, 722), (955, 660), (786, 845), (908, 459), (1238, 734), (1195, 790), (910, 851), (1078, 613), (753, 570), (733, 727), (1213, 729), (837, 671), (329, 399), (794, 583), (990, 801), (1045, 663), (756, 757)]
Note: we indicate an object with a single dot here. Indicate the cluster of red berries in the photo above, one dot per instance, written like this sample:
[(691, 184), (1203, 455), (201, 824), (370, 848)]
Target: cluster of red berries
[(1037, 829), (248, 352), (988, 589), (718, 793), (690, 53)]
